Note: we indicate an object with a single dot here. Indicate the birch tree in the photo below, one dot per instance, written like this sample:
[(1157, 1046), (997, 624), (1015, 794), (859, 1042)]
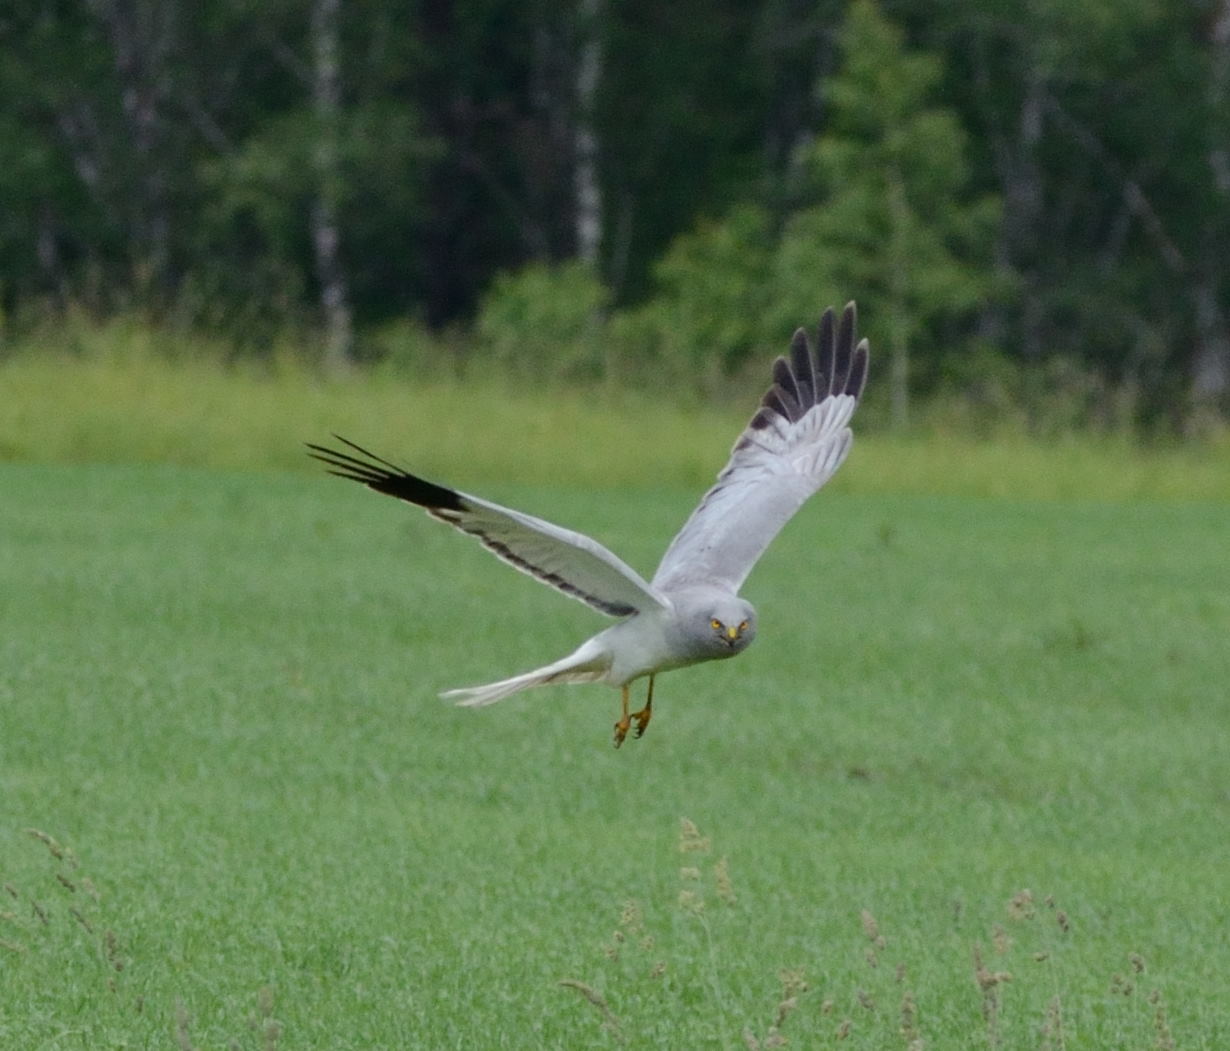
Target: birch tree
[(589, 214), (325, 219)]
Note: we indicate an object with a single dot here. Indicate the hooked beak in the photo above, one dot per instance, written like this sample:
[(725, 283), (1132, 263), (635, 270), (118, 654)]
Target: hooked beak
[(732, 633)]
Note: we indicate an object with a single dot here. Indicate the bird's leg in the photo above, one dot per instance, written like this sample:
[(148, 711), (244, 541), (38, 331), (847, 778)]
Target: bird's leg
[(625, 721), (642, 717)]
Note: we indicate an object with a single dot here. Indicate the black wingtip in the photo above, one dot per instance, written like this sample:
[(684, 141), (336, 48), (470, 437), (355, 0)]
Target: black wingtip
[(824, 354), (834, 365), (844, 347), (384, 476), (803, 367), (784, 377)]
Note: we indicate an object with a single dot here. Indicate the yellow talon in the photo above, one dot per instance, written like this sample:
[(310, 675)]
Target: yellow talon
[(625, 720), (645, 714)]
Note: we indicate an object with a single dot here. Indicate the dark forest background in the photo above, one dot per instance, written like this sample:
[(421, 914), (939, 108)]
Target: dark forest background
[(1031, 202)]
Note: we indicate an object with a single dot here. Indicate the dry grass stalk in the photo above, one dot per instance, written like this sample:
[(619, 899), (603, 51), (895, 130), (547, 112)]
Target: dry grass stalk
[(1001, 939), (1052, 1027), (1021, 905), (794, 983), (872, 930), (1162, 1038), (989, 983), (690, 839), (692, 842), (783, 1011), (631, 925), (909, 1020), (630, 916), (57, 850), (111, 946), (631, 932), (592, 996), (690, 901), (878, 942)]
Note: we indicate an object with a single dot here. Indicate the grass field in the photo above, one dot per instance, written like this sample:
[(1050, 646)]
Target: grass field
[(977, 738), (113, 395), (969, 788)]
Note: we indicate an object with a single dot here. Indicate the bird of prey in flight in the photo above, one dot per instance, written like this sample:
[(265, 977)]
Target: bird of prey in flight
[(691, 610)]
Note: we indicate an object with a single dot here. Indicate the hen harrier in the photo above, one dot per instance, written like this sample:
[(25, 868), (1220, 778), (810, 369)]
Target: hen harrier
[(691, 610)]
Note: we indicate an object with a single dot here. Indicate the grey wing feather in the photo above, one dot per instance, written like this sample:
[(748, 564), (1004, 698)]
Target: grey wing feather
[(570, 562), (793, 445)]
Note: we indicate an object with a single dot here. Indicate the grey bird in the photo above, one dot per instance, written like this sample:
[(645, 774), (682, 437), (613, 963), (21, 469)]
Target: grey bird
[(691, 610)]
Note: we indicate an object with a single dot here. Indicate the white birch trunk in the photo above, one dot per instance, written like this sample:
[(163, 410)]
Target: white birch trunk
[(326, 231), (588, 188)]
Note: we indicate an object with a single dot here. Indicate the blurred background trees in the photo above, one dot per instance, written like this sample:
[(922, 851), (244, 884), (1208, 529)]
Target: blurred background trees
[(1030, 202)]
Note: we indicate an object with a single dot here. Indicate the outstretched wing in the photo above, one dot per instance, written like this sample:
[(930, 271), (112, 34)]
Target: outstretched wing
[(572, 563), (791, 447)]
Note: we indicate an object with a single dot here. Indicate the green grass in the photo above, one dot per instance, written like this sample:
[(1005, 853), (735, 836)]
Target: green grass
[(121, 393), (217, 695)]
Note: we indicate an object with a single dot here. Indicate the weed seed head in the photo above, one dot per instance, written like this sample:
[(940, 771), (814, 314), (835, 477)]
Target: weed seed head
[(1021, 907), (690, 839)]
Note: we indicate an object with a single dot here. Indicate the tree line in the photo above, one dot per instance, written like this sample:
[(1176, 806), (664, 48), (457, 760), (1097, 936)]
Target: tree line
[(1031, 202)]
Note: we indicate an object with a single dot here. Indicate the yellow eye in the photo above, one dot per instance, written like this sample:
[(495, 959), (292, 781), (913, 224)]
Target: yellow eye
[(715, 624), (743, 626)]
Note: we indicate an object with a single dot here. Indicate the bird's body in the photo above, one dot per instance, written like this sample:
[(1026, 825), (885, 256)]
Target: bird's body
[(691, 611)]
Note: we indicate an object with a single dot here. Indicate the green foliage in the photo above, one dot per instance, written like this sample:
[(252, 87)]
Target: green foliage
[(1041, 181), (1059, 100), (692, 95), (889, 213), (885, 216), (259, 826), (544, 322), (707, 316), (125, 392)]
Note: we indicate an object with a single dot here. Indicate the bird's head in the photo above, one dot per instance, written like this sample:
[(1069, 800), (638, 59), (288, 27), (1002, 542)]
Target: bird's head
[(729, 624)]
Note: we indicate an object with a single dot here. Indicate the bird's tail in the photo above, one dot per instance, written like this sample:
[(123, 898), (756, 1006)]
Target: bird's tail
[(587, 664)]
